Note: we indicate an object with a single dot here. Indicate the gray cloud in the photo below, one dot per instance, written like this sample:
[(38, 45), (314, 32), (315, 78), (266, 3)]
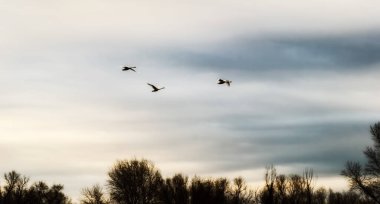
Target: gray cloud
[(283, 54), (324, 147)]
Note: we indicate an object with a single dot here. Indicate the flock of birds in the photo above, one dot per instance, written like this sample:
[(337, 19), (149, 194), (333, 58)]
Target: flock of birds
[(155, 88)]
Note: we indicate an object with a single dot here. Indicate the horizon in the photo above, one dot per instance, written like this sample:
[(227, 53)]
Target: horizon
[(304, 87)]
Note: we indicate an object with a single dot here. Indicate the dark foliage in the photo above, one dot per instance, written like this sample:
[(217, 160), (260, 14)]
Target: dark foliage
[(140, 182), (174, 190), (17, 191)]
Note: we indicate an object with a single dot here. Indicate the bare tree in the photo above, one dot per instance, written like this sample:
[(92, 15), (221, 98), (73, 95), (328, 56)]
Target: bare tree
[(56, 196), (269, 189), (16, 191), (281, 187), (349, 197), (320, 196), (367, 179), (308, 176), (296, 187), (201, 191), (221, 188), (241, 194), (174, 190), (15, 187), (38, 193), (93, 195), (134, 182)]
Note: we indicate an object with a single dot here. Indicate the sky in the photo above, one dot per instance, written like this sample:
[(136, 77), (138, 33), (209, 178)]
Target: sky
[(304, 89)]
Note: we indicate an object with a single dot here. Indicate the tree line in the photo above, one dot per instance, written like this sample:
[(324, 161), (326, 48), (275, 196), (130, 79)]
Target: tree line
[(140, 182), (16, 190)]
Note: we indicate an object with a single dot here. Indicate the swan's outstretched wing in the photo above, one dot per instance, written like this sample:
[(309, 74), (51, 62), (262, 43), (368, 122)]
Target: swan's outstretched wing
[(153, 86), (126, 68)]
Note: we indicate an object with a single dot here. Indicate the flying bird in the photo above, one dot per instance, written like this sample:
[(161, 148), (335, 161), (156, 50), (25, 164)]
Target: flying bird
[(126, 68), (222, 81), (155, 89)]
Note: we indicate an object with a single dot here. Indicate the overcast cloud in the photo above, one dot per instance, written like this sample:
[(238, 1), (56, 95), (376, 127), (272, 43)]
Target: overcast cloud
[(304, 91)]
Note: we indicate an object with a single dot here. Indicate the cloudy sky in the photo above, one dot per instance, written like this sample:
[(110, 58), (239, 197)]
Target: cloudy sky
[(305, 87)]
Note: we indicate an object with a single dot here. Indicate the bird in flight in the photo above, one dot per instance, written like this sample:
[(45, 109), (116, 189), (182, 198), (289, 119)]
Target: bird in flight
[(155, 89), (222, 81), (126, 68)]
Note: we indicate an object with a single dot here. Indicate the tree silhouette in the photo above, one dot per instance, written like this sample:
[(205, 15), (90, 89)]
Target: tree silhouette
[(201, 191), (320, 196), (38, 192), (221, 188), (16, 191), (55, 195), (367, 179), (269, 190), (15, 187), (135, 182), (308, 176), (281, 187), (296, 187), (175, 191), (93, 195), (346, 197), (240, 194)]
